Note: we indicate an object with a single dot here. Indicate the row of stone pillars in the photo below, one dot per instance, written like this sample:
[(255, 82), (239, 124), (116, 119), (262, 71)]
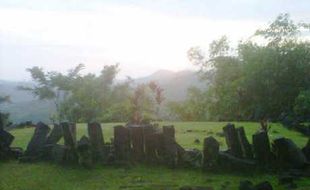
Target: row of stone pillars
[(150, 144)]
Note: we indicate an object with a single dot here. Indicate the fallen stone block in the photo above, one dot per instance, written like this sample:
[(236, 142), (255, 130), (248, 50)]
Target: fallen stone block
[(287, 154)]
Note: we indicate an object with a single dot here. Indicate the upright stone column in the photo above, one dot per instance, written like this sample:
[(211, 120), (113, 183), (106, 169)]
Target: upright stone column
[(70, 152), (68, 135), (170, 150), (151, 142), (72, 127), (55, 135), (210, 153), (6, 140), (137, 141), (245, 145), (37, 142), (96, 140), (261, 148), (122, 143), (232, 140), (84, 152)]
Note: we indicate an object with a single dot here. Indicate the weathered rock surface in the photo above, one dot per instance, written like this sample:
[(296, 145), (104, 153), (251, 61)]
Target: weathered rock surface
[(96, 141), (210, 153), (36, 145), (84, 152), (261, 148), (232, 140), (287, 154)]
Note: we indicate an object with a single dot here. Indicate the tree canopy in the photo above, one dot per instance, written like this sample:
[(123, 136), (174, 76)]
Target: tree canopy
[(264, 77)]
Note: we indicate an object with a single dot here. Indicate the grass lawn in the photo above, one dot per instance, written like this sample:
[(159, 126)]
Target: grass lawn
[(50, 176)]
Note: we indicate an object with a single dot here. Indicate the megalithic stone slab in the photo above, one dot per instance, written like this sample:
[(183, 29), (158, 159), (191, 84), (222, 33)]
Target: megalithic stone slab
[(136, 134), (84, 152), (96, 140), (211, 149), (192, 158), (245, 145), (122, 143), (55, 135), (151, 143), (227, 161), (288, 155), (261, 148), (58, 153), (72, 127), (232, 140), (169, 131), (37, 141), (70, 156), (6, 138), (68, 135), (172, 151)]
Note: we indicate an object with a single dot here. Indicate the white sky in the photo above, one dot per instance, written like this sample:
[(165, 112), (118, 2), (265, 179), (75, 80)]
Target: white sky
[(140, 38)]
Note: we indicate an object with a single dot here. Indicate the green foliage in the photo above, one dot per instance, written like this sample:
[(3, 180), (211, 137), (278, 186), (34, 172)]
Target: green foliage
[(302, 105), (87, 98), (193, 108), (256, 80), (145, 102)]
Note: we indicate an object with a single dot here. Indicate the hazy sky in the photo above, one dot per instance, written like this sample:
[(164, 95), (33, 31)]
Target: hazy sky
[(143, 36)]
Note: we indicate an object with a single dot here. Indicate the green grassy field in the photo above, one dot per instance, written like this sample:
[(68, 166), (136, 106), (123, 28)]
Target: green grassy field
[(50, 176)]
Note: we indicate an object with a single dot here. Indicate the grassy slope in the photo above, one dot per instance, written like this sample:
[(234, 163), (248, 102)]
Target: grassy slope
[(50, 176)]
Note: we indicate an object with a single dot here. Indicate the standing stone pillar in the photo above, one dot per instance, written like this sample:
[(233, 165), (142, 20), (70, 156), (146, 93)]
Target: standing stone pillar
[(232, 140), (55, 135), (210, 153), (122, 143), (72, 127), (261, 148), (245, 145), (70, 152), (136, 133), (37, 142), (151, 142), (84, 152), (96, 140), (6, 140), (170, 150)]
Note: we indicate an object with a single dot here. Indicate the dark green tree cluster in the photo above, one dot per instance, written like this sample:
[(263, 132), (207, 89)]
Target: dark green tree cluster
[(265, 77)]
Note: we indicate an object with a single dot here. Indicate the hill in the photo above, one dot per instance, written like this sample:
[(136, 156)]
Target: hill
[(175, 84)]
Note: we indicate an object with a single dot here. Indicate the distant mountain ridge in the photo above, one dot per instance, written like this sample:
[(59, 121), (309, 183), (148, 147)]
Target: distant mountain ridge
[(25, 106), (175, 84)]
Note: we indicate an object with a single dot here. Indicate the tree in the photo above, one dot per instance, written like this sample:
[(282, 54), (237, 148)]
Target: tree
[(194, 108), (257, 80), (90, 97), (52, 86)]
